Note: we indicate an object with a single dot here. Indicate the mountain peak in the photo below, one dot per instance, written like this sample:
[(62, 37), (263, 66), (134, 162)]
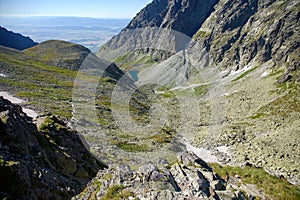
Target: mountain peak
[(184, 16)]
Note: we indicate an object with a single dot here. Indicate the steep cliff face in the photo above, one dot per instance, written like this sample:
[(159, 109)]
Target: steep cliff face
[(239, 32), (15, 40), (150, 15), (49, 162), (233, 32), (184, 16)]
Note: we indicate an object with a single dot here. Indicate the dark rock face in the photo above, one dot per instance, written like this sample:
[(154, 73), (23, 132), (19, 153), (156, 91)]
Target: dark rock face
[(240, 13), (184, 16), (49, 163), (150, 15), (15, 40)]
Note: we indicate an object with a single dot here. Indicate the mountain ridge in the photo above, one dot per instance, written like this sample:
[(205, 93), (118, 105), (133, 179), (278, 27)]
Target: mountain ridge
[(15, 40)]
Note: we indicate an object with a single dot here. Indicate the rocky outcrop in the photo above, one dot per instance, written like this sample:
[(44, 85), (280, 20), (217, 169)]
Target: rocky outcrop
[(49, 163), (188, 178), (15, 40)]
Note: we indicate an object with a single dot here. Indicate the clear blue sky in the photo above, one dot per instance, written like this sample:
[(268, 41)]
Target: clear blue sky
[(80, 8)]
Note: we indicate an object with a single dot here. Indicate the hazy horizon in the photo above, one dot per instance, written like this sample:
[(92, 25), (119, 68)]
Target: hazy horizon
[(48, 16), (114, 9), (90, 32)]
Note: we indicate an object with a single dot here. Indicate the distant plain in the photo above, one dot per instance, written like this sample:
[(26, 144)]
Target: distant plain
[(89, 32)]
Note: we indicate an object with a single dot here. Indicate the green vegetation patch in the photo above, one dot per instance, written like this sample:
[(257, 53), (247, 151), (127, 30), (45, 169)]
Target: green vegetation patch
[(121, 58), (168, 94), (166, 135), (162, 138), (96, 184), (258, 115), (50, 123), (108, 177), (275, 187), (277, 72), (201, 90), (130, 60), (44, 87), (290, 100), (200, 34), (245, 74), (107, 80), (7, 163), (117, 192), (188, 92), (132, 147)]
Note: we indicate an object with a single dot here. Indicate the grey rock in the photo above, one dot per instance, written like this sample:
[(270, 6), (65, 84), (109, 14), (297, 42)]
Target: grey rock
[(148, 168), (179, 182), (156, 176), (162, 161), (240, 195), (218, 185)]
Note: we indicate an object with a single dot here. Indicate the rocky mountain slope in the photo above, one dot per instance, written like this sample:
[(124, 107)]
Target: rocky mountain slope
[(45, 81), (182, 16), (15, 40), (65, 88), (233, 70), (233, 32), (44, 162), (239, 32), (188, 178), (44, 75)]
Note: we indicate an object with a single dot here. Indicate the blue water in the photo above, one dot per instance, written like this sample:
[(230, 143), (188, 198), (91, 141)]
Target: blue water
[(134, 75)]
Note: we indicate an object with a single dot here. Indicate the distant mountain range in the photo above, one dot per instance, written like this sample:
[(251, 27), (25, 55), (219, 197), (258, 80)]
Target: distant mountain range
[(15, 40), (90, 32), (63, 21)]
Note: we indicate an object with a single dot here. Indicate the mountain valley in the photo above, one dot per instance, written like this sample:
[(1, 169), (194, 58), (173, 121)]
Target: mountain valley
[(191, 100)]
